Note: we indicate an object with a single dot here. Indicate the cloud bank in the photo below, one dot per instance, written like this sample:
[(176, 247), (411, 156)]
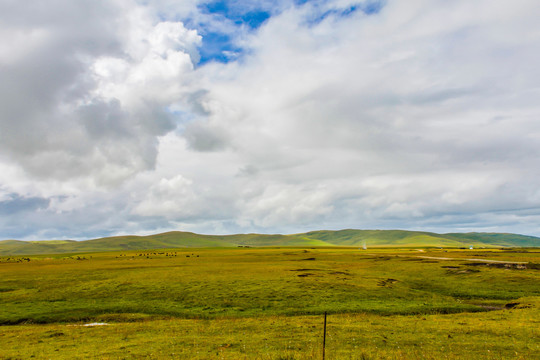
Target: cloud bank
[(237, 116)]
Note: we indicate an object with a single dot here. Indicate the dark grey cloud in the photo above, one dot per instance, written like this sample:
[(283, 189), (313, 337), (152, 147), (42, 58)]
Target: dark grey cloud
[(55, 40)]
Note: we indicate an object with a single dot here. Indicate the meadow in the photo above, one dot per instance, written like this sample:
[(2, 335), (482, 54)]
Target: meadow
[(267, 303)]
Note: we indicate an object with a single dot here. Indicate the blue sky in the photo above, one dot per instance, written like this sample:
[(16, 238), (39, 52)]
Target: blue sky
[(223, 46), (136, 117)]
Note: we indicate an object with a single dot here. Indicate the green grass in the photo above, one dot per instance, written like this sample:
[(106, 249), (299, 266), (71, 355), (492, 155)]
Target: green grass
[(509, 334), (268, 304), (208, 283)]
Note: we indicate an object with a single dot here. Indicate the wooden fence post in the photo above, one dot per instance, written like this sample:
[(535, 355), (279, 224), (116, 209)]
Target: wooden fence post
[(324, 338)]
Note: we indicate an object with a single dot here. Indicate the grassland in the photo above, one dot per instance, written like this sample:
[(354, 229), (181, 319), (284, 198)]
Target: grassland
[(268, 304)]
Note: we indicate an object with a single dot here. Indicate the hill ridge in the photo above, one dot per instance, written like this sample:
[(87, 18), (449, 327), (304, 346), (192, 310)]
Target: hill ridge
[(344, 237)]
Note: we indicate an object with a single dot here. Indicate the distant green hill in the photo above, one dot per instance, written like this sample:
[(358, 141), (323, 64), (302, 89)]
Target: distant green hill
[(350, 237), (500, 239), (174, 239)]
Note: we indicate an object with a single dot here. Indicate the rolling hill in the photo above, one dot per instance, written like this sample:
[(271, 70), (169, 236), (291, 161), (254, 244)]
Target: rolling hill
[(349, 237), (352, 237)]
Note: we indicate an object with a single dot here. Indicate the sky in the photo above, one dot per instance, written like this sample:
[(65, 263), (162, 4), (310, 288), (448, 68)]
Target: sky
[(237, 116)]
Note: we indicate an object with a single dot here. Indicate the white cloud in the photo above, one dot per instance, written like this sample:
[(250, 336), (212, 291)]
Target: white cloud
[(285, 206), (438, 95), (423, 116), (169, 198)]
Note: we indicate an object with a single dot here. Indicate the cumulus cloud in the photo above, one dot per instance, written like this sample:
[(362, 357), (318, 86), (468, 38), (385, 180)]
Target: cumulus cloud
[(86, 86)]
